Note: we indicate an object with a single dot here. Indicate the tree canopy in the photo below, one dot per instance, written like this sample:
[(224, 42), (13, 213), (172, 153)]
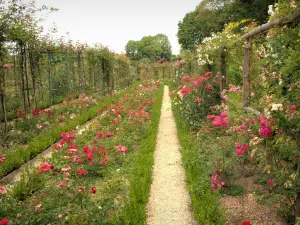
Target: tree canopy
[(211, 16), (149, 47)]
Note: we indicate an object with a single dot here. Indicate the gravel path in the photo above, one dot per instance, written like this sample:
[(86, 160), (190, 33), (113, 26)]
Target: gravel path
[(169, 202)]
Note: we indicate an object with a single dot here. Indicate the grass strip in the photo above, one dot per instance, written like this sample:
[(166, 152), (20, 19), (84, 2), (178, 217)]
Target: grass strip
[(141, 170), (205, 203)]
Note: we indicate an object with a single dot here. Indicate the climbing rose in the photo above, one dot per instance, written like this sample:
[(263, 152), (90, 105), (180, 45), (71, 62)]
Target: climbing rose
[(223, 115), (265, 126), (45, 167), (184, 91), (220, 122), (265, 130), (4, 221), (196, 83), (2, 189), (209, 117), (293, 107), (81, 172), (240, 149)]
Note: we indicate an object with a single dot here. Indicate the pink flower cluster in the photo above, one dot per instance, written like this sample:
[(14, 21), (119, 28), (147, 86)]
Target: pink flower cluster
[(240, 149), (266, 124), (203, 78), (184, 91), (233, 88), (45, 167), (2, 158), (219, 121), (121, 148), (216, 181)]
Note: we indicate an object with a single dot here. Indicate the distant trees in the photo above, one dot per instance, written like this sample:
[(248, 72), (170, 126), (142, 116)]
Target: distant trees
[(149, 47), (211, 16)]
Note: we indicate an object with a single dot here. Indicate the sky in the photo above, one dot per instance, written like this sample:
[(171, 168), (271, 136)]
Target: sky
[(114, 22)]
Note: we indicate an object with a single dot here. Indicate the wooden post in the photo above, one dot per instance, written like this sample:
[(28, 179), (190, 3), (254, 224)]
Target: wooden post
[(222, 68), (246, 70), (3, 101)]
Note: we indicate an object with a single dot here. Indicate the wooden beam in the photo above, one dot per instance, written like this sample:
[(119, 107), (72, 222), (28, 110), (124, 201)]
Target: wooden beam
[(247, 109), (246, 70), (269, 25)]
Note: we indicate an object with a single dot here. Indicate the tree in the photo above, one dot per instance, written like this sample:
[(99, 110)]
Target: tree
[(166, 49), (149, 47), (132, 48), (211, 15)]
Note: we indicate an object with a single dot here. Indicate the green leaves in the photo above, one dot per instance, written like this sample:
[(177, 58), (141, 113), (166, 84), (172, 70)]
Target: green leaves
[(149, 47)]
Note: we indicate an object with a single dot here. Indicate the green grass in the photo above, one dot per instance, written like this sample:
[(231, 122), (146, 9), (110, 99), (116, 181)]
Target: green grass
[(205, 203), (234, 190), (140, 172)]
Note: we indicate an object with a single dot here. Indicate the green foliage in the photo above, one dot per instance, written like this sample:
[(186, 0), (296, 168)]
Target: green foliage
[(205, 203), (233, 190), (211, 16), (141, 171), (152, 48)]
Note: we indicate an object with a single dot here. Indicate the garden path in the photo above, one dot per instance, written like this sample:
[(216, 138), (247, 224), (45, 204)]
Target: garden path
[(169, 201)]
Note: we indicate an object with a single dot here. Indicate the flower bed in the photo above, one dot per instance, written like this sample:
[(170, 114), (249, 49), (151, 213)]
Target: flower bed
[(92, 177), (18, 154)]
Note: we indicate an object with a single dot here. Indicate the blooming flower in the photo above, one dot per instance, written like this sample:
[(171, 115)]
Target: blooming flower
[(216, 182), (121, 148), (198, 100), (2, 189), (99, 135), (93, 190), (45, 167), (240, 149), (37, 207), (81, 188), (81, 172), (265, 130), (246, 223), (86, 149), (109, 134), (184, 91), (4, 221), (276, 107), (2, 158), (270, 182)]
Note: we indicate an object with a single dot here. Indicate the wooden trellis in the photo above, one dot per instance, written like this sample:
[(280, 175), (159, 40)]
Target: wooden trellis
[(247, 48)]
